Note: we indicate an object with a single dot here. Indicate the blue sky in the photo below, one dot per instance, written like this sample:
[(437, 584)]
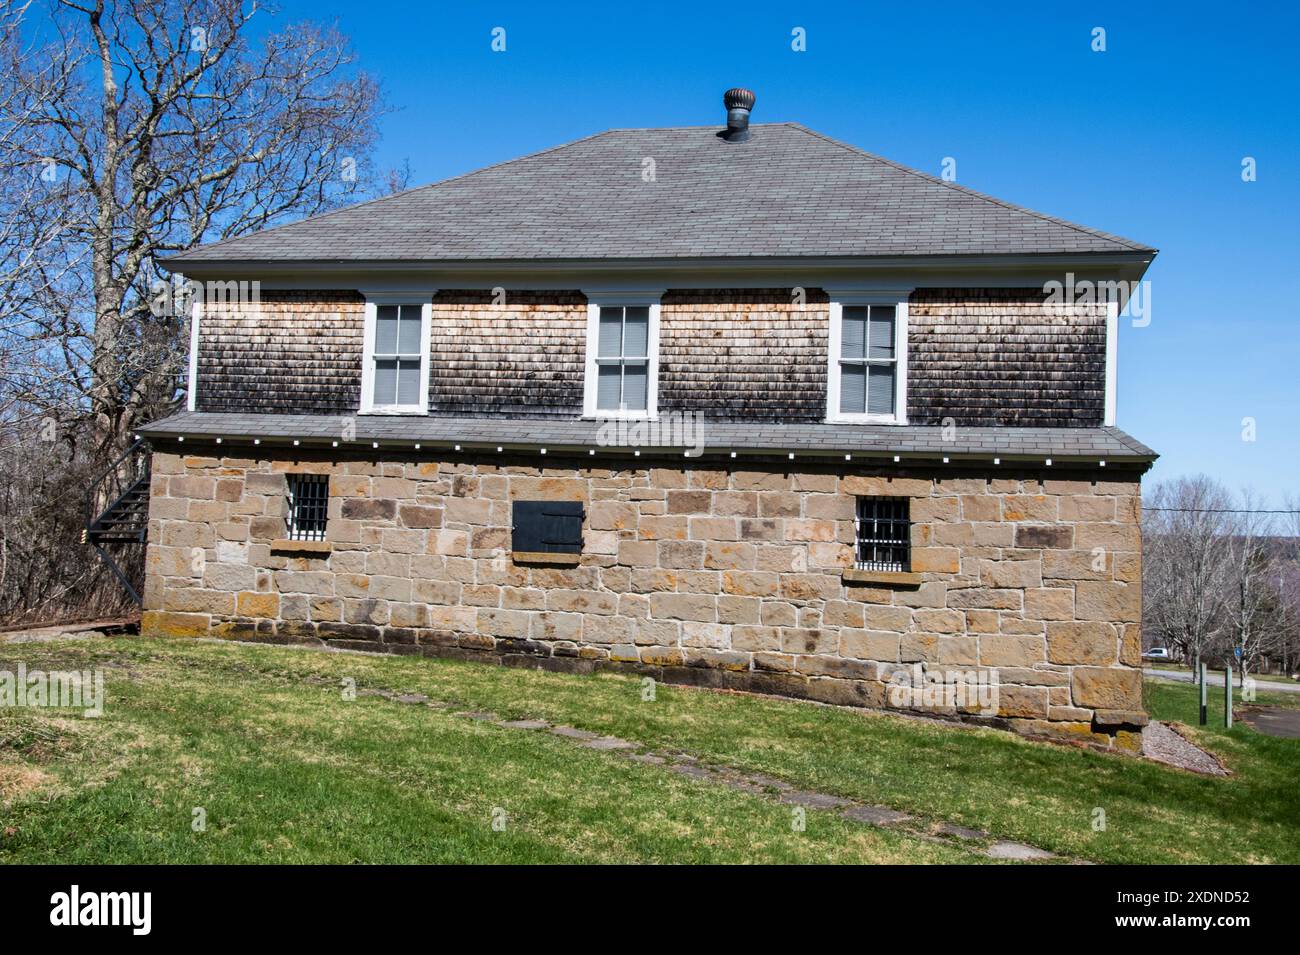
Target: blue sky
[(1145, 139)]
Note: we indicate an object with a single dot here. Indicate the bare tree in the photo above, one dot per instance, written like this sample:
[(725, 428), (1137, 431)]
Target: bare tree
[(1288, 574), (140, 128), (1253, 608), (131, 130), (1184, 566)]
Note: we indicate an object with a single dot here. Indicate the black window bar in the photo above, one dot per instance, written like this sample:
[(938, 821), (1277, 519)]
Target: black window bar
[(309, 500), (884, 534)]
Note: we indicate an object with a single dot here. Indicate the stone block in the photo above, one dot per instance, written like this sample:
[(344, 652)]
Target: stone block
[(1081, 643), (1024, 507), (582, 601), (936, 560), (1011, 573), (1050, 603), (998, 650), (253, 604), (681, 555), (885, 486), (983, 598), (161, 623), (504, 623), (697, 607), (919, 648), (734, 609), (803, 640), (750, 584), (753, 639), (1056, 536), (368, 509), (1107, 688), (1022, 702), (805, 529), (1104, 600), (549, 489), (690, 502), (724, 555), (735, 504)]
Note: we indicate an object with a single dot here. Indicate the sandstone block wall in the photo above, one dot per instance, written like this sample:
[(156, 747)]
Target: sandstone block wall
[(698, 573)]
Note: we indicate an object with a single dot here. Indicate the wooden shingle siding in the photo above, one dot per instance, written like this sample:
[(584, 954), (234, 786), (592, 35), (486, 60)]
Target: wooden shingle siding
[(523, 359), (744, 353), (291, 353), (1005, 357), (984, 357)]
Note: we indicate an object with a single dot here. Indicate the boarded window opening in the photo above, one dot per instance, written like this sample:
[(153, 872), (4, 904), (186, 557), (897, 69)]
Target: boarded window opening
[(547, 527)]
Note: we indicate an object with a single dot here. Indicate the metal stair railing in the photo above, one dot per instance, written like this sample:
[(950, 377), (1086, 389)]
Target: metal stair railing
[(117, 508)]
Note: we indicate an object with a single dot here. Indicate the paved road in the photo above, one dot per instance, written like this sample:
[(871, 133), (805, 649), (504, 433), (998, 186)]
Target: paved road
[(1216, 679), (1273, 720)]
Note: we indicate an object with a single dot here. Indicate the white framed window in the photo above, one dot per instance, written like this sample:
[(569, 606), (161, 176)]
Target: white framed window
[(866, 374), (395, 360), (622, 379)]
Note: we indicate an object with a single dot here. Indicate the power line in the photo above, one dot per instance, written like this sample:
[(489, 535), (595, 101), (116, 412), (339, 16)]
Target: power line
[(1219, 510)]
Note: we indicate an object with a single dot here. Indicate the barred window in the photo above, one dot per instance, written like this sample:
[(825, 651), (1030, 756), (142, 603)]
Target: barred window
[(884, 534), (309, 498)]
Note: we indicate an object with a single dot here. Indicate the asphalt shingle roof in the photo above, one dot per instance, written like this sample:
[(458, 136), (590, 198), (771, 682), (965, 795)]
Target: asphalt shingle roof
[(787, 192), (1065, 444)]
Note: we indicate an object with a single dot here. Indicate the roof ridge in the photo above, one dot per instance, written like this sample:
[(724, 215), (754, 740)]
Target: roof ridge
[(1096, 233), (395, 195)]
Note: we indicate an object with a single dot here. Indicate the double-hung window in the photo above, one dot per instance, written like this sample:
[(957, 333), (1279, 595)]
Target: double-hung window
[(622, 364), (868, 362), (395, 376)]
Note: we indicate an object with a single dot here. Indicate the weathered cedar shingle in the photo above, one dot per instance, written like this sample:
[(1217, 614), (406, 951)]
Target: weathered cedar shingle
[(1005, 357), (979, 356)]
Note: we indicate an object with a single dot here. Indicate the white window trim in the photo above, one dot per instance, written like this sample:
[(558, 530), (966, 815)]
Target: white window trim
[(838, 301), (373, 301), (1112, 363), (192, 375), (594, 302)]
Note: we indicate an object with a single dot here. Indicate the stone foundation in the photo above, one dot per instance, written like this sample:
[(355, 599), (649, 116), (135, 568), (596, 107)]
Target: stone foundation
[(1025, 580)]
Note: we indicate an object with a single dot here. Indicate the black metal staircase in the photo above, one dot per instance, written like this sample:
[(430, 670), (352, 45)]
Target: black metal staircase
[(117, 510)]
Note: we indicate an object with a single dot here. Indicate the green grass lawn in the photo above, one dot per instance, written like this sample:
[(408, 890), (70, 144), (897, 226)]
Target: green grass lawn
[(288, 771)]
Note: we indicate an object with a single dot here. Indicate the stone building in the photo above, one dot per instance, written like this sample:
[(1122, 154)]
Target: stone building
[(744, 408)]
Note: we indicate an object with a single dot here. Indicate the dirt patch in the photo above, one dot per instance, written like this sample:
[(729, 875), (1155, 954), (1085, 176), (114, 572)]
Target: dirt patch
[(17, 781)]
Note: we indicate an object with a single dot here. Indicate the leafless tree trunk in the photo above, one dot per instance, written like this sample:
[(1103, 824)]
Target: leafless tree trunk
[(1254, 609), (1185, 563), (131, 130), (148, 126)]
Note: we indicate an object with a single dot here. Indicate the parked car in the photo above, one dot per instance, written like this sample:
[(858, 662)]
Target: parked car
[(1156, 653)]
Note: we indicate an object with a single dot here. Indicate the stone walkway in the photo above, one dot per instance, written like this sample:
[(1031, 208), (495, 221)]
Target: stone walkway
[(79, 631), (756, 784)]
